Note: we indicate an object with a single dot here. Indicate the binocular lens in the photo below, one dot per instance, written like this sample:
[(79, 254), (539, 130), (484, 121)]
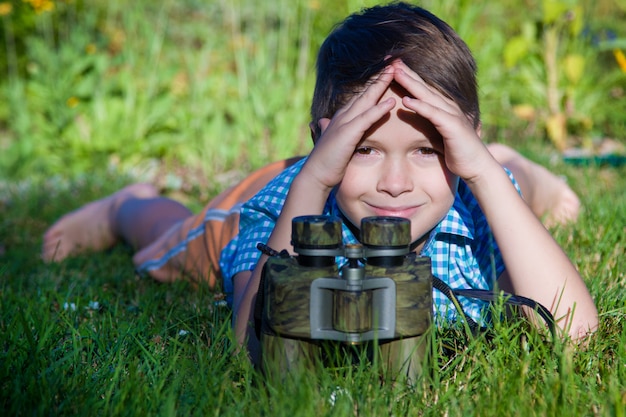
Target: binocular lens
[(385, 231), (316, 232)]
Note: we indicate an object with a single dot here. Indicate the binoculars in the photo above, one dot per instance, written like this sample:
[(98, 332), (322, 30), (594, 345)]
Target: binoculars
[(380, 298)]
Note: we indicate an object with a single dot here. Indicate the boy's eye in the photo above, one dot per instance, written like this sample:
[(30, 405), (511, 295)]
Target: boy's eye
[(427, 151), (363, 151)]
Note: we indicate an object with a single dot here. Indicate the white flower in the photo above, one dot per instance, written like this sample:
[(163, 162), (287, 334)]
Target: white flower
[(69, 306), (338, 391)]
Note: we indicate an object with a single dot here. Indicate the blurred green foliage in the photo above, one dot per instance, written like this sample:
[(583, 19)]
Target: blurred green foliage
[(183, 91), (555, 56)]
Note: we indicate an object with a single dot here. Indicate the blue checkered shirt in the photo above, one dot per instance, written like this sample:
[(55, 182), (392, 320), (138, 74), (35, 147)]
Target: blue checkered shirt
[(462, 249)]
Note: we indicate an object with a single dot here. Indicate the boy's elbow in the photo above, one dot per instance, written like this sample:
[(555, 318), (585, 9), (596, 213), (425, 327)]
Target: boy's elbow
[(584, 324)]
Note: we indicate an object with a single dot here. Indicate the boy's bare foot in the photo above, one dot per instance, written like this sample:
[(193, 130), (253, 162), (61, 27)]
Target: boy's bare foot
[(561, 204), (550, 198), (548, 195), (89, 228)]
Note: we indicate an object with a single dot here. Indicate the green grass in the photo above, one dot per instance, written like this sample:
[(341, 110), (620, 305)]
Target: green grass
[(148, 348), (192, 96)]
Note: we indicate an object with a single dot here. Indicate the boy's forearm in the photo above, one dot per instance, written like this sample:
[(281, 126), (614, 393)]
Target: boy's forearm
[(304, 198), (537, 265), (243, 310)]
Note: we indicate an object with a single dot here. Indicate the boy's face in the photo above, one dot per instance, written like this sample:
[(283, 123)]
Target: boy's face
[(399, 170)]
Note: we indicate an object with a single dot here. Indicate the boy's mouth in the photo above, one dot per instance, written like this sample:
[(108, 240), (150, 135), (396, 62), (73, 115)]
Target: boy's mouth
[(400, 211)]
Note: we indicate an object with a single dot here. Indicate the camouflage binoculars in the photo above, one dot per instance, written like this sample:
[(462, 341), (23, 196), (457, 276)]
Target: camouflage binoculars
[(381, 297)]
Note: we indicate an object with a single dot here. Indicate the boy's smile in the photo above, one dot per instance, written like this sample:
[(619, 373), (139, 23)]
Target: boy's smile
[(398, 169)]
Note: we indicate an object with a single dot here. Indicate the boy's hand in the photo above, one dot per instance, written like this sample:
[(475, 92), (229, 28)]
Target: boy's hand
[(327, 162), (464, 152)]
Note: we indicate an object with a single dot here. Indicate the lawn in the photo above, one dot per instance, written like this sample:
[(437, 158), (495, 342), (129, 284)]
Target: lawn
[(129, 95), (87, 336)]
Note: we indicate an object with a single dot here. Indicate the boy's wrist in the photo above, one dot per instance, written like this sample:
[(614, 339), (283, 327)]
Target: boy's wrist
[(489, 181), (307, 196), (485, 174), (308, 181)]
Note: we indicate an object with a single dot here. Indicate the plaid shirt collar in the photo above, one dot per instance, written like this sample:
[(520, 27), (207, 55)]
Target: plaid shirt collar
[(458, 220)]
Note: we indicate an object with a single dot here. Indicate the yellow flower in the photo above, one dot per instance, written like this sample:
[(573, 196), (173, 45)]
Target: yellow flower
[(5, 8), (620, 58), (91, 49), (72, 102), (41, 6), (525, 112)]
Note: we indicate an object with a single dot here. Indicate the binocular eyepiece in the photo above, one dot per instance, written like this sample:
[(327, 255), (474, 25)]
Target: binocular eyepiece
[(318, 240)]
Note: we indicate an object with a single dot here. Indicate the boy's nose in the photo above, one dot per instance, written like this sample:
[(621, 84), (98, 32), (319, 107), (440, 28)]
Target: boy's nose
[(395, 178)]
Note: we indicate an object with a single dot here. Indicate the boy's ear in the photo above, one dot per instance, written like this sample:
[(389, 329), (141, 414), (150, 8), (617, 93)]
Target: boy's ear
[(322, 124), (479, 130), (313, 134)]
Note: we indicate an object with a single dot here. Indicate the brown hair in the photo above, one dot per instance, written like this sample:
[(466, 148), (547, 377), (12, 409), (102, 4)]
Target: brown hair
[(366, 42)]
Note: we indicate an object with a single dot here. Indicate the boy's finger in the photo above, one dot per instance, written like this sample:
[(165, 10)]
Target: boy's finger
[(449, 125), (369, 117), (416, 86), (400, 66), (353, 130), (374, 90)]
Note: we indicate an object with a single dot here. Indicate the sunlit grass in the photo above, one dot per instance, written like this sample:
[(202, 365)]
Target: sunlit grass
[(88, 336)]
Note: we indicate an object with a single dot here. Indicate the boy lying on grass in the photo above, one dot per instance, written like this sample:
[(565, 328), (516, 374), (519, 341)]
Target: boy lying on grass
[(396, 132)]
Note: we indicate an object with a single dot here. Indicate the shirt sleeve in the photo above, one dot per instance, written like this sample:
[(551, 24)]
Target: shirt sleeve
[(257, 219)]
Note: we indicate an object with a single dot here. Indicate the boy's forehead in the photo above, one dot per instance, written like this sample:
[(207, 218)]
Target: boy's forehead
[(401, 115), (398, 90), (394, 88)]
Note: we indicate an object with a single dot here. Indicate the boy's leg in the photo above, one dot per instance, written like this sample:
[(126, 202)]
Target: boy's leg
[(192, 247), (550, 198), (134, 214), (170, 242), (140, 222)]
